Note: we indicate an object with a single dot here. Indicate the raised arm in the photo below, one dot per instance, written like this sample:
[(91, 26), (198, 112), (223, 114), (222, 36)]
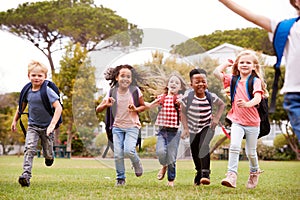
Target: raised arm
[(259, 20), (218, 72)]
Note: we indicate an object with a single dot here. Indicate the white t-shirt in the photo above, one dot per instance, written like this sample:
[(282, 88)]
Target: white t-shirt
[(292, 58)]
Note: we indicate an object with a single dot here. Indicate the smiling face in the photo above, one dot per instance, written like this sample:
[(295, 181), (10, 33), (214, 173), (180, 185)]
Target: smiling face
[(174, 85), (245, 65), (124, 78), (199, 84)]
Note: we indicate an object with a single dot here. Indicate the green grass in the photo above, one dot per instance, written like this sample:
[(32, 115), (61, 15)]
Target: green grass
[(94, 179)]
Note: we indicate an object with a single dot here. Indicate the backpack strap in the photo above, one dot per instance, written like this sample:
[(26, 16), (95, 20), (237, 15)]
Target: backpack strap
[(109, 118), (233, 84), (45, 98), (46, 101), (189, 99), (249, 86), (249, 83), (176, 106), (279, 41), (135, 95), (22, 97), (209, 98)]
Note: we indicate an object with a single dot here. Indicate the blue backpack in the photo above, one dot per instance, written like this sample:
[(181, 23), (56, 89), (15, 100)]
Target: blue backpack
[(262, 107), (45, 101), (279, 41)]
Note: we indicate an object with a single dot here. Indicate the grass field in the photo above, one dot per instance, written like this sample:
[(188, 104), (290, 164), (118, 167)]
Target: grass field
[(95, 178)]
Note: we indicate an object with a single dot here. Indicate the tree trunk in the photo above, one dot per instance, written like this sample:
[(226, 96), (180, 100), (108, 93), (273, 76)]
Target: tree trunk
[(293, 142), (70, 136)]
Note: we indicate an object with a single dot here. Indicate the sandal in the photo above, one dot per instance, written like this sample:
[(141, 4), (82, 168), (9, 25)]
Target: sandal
[(161, 173)]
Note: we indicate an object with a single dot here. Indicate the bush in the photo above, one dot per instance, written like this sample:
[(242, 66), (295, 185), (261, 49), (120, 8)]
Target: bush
[(280, 141), (265, 152), (101, 140), (149, 144)]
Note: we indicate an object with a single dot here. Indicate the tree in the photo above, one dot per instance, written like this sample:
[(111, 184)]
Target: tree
[(252, 38), (8, 108), (76, 81), (50, 24)]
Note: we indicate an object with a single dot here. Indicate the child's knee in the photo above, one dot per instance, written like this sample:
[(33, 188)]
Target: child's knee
[(234, 149)]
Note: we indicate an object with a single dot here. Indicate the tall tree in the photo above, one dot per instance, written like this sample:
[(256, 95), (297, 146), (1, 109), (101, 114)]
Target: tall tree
[(76, 81), (49, 24), (7, 110)]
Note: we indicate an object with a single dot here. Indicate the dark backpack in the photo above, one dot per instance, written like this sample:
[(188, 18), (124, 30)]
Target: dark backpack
[(44, 98), (111, 111), (279, 41), (262, 107)]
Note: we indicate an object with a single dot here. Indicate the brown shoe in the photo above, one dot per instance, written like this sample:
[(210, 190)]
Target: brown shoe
[(230, 180), (162, 172), (253, 179)]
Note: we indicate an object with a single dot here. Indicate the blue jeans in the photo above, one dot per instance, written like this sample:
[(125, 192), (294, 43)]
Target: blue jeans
[(292, 106), (166, 150), (32, 137), (237, 133), (124, 146)]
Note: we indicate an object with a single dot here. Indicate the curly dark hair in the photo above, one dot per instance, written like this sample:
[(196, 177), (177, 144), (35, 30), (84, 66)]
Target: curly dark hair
[(112, 73)]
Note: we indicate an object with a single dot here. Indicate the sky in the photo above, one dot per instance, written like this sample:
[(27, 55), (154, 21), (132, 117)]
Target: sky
[(184, 19)]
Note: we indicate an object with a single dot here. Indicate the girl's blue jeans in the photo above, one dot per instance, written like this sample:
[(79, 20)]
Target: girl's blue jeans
[(292, 106), (125, 140), (237, 133), (166, 150)]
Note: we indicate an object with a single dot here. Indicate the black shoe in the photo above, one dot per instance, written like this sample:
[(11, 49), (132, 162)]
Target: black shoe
[(197, 178), (24, 180), (49, 162), (120, 182), (205, 180)]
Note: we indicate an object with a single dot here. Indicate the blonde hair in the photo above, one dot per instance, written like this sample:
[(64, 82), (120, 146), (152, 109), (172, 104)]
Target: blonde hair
[(35, 64), (257, 69)]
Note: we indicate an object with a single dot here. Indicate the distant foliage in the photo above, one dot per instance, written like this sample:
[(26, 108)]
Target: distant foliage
[(252, 38)]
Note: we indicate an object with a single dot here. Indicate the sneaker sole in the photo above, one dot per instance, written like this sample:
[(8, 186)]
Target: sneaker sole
[(205, 181), (227, 184)]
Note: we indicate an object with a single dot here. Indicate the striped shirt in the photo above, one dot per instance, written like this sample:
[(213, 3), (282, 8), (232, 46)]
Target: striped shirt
[(199, 113)]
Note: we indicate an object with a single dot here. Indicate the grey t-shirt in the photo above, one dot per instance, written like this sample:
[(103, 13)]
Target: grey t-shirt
[(38, 115)]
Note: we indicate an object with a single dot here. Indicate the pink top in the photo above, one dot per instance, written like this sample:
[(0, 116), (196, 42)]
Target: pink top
[(124, 118), (243, 116)]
